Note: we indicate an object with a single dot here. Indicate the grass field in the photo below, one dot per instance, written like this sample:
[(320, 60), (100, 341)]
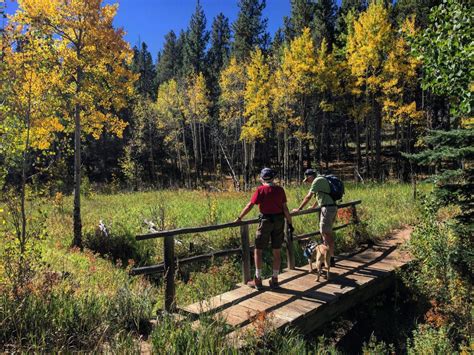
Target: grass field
[(121, 302)]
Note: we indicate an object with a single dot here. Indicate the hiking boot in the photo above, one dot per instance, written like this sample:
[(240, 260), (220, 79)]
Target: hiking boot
[(255, 283), (274, 283), (333, 262)]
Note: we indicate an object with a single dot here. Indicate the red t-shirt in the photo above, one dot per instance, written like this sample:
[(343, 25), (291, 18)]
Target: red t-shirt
[(269, 198)]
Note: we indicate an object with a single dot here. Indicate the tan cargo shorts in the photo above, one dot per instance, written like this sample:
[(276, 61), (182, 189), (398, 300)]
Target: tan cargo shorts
[(327, 217), (270, 228)]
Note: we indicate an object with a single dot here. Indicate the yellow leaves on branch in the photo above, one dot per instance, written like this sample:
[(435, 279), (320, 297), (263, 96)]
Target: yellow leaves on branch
[(231, 101), (197, 102), (169, 105), (299, 64), (400, 78), (26, 90), (294, 78), (257, 99), (90, 58), (368, 44)]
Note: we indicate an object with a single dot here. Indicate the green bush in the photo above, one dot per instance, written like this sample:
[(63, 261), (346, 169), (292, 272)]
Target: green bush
[(118, 244), (171, 336), (428, 340), (438, 250), (375, 347)]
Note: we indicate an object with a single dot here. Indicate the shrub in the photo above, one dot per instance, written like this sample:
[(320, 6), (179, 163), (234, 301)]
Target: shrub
[(118, 244), (375, 347), (428, 340)]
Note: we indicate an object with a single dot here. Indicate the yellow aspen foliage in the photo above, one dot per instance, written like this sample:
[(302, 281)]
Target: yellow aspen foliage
[(400, 79), (27, 78), (367, 45), (257, 98), (169, 106), (327, 76), (299, 63), (231, 101), (295, 78), (91, 59), (197, 102)]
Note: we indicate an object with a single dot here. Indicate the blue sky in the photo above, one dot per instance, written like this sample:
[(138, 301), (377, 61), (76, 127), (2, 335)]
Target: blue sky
[(150, 20)]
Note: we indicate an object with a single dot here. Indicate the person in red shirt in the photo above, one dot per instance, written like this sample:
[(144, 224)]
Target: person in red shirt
[(271, 200)]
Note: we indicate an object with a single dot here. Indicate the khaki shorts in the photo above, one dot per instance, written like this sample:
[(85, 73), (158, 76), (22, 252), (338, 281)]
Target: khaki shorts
[(326, 218), (270, 227)]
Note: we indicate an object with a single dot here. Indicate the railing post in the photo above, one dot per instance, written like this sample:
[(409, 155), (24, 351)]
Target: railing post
[(290, 253), (244, 235), (169, 273), (355, 218)]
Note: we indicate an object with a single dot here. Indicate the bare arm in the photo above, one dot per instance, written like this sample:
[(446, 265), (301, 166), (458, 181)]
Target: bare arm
[(286, 212), (245, 210), (305, 201)]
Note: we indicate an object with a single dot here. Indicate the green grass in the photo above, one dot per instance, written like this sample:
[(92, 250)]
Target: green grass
[(99, 291), (384, 207)]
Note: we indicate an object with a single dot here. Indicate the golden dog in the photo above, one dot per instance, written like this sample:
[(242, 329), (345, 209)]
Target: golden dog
[(322, 256)]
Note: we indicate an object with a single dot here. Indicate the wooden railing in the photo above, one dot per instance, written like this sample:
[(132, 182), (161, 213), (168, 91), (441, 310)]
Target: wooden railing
[(169, 265)]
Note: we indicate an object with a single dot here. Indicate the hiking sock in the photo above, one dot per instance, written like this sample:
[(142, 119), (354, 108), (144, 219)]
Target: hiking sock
[(258, 273), (275, 273)]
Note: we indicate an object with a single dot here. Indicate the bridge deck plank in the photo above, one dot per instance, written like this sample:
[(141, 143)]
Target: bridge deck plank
[(303, 302)]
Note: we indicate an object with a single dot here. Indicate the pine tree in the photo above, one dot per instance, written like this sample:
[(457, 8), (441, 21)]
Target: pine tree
[(324, 22), (169, 61), (420, 8), (355, 7), (142, 64), (219, 52), (302, 13), (196, 42), (249, 29)]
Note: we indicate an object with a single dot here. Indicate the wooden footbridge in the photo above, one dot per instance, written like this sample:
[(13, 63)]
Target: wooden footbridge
[(301, 302)]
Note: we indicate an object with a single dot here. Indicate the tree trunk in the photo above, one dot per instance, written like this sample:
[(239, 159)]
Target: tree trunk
[(23, 180), (286, 157), (321, 139), (77, 241), (367, 146), (378, 141), (195, 138), (152, 158), (358, 152), (186, 155), (300, 159)]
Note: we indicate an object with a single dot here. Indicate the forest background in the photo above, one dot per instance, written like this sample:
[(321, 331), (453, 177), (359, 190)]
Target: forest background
[(370, 91)]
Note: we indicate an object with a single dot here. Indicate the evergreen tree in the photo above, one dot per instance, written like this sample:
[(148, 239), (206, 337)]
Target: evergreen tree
[(249, 29), (143, 64), (219, 52), (196, 42), (302, 12), (419, 8), (324, 22), (354, 6), (169, 60)]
